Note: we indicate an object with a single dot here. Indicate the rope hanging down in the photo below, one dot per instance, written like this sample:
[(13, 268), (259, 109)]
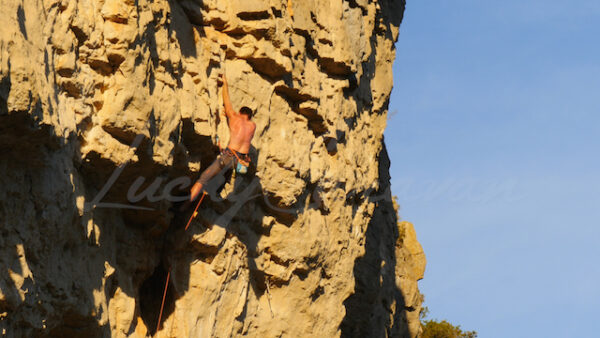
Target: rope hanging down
[(162, 304)]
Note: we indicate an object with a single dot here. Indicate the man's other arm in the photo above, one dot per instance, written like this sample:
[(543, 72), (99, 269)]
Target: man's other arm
[(226, 102)]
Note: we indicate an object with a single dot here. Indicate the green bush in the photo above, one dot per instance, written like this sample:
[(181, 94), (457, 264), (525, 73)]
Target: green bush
[(442, 329)]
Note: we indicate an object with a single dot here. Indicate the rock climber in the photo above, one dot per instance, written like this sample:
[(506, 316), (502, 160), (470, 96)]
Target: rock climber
[(235, 155)]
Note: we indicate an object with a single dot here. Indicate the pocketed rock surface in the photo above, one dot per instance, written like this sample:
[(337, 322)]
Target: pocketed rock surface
[(108, 108)]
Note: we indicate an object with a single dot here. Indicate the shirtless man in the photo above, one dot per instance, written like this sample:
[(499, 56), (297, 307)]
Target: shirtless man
[(241, 131)]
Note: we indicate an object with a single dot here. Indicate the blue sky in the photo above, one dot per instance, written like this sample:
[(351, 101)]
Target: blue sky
[(494, 135)]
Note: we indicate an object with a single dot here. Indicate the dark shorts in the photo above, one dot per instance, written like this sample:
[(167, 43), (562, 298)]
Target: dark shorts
[(225, 161)]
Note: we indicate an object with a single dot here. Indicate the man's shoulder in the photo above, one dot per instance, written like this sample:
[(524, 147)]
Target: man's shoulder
[(247, 122)]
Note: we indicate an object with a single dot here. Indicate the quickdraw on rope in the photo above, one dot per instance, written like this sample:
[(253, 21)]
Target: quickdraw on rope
[(195, 213), (162, 304), (219, 144)]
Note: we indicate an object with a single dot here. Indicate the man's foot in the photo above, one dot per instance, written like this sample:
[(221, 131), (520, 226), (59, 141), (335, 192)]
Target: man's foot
[(195, 191)]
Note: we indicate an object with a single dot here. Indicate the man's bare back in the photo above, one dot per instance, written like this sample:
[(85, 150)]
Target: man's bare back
[(242, 131)]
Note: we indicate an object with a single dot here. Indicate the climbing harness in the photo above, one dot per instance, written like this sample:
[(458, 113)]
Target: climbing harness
[(242, 164), (243, 160), (162, 304)]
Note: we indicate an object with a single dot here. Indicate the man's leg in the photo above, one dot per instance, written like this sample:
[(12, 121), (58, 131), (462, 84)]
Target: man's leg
[(222, 161), (206, 175)]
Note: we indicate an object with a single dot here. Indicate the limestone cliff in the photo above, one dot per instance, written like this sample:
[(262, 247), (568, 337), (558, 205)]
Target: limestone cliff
[(108, 108)]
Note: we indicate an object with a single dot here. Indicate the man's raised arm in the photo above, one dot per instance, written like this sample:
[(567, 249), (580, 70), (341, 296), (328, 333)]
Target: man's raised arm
[(228, 107)]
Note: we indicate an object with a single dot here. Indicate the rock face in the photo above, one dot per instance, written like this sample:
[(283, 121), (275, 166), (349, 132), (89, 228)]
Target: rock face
[(108, 109)]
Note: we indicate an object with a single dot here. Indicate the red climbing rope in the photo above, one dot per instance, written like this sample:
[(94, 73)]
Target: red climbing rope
[(162, 304), (163, 300), (195, 212)]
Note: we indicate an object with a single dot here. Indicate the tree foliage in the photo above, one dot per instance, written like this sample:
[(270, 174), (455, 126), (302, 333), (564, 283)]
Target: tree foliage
[(442, 329)]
